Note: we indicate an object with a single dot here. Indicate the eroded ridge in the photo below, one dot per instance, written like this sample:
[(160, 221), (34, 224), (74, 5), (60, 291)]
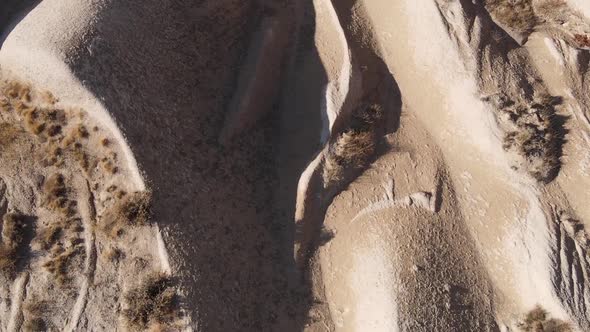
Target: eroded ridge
[(69, 219)]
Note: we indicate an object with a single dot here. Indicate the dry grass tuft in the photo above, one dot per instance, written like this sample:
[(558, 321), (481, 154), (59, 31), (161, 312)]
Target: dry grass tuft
[(109, 166), (537, 320), (8, 260), (8, 134), (14, 229), (34, 310), (50, 235), (82, 132), (52, 155), (35, 324), (48, 98), (114, 255), (538, 137), (44, 123), (83, 158), (59, 264), (153, 302), (56, 196), (354, 148), (57, 235), (17, 90), (5, 105), (131, 210)]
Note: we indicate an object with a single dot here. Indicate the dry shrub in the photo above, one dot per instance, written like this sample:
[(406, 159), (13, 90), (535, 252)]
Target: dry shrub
[(538, 137), (355, 146), (5, 105), (352, 149), (13, 238), (34, 309), (59, 264), (56, 196), (13, 230), (582, 40), (83, 158), (515, 14), (8, 260), (537, 320), (131, 210), (59, 231), (366, 116), (82, 132), (35, 324), (109, 166), (52, 155), (44, 123), (114, 255), (48, 98), (8, 134), (50, 235), (333, 170), (154, 301), (17, 90)]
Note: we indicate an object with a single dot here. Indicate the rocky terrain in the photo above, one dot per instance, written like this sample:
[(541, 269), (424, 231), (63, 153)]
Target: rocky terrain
[(286, 165)]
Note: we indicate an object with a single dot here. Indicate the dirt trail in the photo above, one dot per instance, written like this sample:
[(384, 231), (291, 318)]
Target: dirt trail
[(88, 211), (18, 293)]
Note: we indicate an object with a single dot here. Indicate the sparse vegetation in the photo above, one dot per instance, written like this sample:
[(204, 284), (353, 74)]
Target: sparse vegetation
[(14, 229), (43, 123), (82, 132), (537, 320), (326, 235), (537, 137), (515, 14), (64, 229), (48, 98), (523, 16), (59, 264), (50, 124), (354, 147), (109, 166), (18, 90), (83, 158), (52, 155), (131, 210), (8, 134), (56, 196), (35, 324), (33, 310), (114, 254), (153, 302), (50, 235), (582, 40), (4, 104)]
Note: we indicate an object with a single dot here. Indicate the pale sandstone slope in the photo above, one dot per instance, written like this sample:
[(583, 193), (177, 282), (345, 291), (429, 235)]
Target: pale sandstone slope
[(348, 165)]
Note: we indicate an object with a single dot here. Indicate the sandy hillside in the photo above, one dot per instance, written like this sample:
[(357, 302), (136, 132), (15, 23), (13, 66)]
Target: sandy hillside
[(289, 165)]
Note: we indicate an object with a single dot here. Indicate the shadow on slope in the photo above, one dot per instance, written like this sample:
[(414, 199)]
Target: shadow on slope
[(12, 12), (166, 70)]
